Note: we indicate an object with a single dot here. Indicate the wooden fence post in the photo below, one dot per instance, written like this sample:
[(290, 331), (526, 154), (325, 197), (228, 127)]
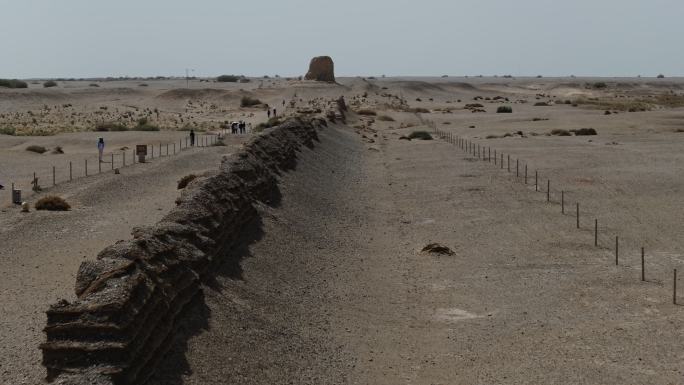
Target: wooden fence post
[(562, 202), (643, 270), (595, 232), (674, 288)]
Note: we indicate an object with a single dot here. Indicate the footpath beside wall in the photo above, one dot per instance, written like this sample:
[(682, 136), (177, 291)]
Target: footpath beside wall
[(131, 298)]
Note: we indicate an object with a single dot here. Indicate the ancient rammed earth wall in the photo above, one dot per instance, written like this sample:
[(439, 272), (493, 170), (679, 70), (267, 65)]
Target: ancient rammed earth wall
[(130, 299)]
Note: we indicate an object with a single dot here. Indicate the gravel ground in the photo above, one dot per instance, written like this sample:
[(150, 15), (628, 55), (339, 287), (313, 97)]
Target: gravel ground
[(333, 287), (41, 251)]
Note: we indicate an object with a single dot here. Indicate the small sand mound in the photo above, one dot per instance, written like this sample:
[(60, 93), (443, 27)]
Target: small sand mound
[(436, 248)]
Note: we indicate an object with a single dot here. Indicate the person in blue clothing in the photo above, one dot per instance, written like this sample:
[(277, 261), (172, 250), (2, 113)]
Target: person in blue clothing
[(100, 148)]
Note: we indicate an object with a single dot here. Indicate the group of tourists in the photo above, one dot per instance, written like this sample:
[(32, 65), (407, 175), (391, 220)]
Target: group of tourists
[(238, 127)]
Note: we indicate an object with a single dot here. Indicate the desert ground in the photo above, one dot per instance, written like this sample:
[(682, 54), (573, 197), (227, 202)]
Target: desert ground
[(332, 285)]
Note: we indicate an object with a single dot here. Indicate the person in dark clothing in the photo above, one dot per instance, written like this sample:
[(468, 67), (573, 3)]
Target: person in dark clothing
[(242, 127), (268, 112), (275, 113), (192, 137)]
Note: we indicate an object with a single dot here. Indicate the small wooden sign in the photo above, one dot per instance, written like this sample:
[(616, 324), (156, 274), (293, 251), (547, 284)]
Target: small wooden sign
[(141, 149)]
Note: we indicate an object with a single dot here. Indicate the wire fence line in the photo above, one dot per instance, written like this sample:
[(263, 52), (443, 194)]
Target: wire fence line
[(52, 175), (556, 195)]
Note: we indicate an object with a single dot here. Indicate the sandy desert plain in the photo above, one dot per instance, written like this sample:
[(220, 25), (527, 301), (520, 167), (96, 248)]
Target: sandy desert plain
[(336, 289)]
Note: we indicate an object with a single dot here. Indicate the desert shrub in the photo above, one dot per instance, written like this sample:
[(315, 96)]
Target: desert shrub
[(541, 104), (248, 101), (145, 125), (420, 110), (600, 85), (560, 132), (50, 83), (143, 85), (661, 76), (492, 137), (367, 112), (58, 150), (7, 131), (36, 149), (385, 118), (13, 83), (585, 131), (227, 79), (184, 181), (422, 135), (93, 85), (52, 203), (504, 110), (110, 126)]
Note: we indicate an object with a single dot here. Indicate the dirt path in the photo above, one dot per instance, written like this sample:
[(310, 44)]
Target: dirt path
[(333, 288), (41, 251)]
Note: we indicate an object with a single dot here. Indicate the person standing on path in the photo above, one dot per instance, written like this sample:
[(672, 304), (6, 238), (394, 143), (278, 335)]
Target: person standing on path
[(275, 113), (192, 138), (100, 148), (268, 113)]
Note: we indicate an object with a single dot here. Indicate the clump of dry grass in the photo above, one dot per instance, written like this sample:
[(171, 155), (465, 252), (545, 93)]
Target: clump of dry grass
[(420, 110), (58, 150), (436, 248), (248, 101), (184, 181), (422, 135), (366, 112), (52, 203), (584, 131), (560, 132), (504, 110), (36, 149)]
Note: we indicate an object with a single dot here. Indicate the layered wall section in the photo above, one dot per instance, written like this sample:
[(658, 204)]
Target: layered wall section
[(131, 298)]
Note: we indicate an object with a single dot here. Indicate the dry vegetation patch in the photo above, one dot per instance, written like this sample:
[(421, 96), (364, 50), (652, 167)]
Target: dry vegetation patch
[(436, 248), (248, 101), (52, 203), (37, 149), (366, 112), (422, 135)]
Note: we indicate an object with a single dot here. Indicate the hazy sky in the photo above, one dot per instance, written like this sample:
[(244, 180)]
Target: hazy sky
[(81, 38)]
